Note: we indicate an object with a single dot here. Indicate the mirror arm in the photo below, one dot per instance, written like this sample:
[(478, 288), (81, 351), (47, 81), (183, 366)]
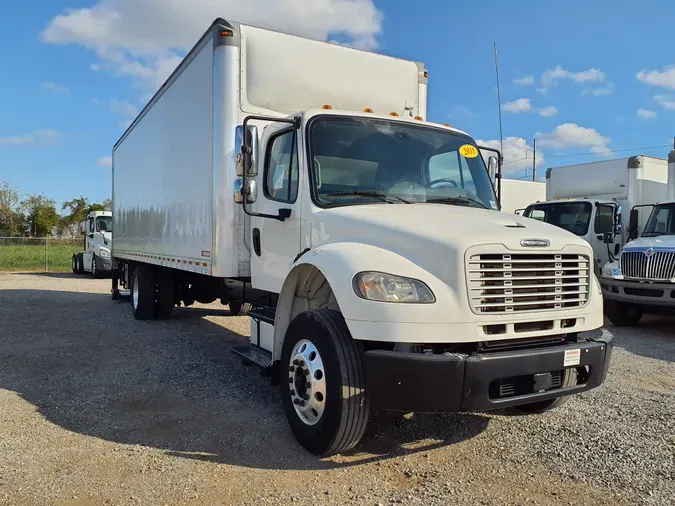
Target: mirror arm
[(246, 152)]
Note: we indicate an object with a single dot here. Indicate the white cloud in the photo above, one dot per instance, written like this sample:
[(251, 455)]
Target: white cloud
[(663, 78), (608, 89), (517, 154), (125, 124), (548, 111), (553, 76), (520, 105), (39, 136), (543, 91), (571, 135), (524, 81), (123, 107), (55, 88), (665, 101), (145, 39), (646, 114), (105, 162)]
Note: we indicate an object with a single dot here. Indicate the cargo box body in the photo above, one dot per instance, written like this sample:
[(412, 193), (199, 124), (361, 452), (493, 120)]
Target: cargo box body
[(174, 169)]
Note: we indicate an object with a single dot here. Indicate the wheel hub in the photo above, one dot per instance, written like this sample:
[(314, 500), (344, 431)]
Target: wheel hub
[(307, 382)]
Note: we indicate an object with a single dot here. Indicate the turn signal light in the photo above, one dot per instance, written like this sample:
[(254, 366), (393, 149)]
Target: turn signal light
[(368, 109), (418, 118), (326, 106), (393, 114)]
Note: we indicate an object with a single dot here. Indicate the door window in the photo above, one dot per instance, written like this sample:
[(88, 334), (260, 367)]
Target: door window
[(604, 219), (281, 169)]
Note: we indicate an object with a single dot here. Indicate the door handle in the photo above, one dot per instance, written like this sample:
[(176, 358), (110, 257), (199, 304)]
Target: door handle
[(256, 241)]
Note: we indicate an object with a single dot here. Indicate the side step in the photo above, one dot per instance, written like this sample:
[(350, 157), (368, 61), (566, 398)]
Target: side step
[(254, 355)]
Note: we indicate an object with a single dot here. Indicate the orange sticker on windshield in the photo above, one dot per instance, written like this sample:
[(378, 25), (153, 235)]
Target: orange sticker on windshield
[(468, 151)]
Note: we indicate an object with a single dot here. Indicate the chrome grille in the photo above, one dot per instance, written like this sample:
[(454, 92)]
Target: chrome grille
[(660, 266), (522, 282)]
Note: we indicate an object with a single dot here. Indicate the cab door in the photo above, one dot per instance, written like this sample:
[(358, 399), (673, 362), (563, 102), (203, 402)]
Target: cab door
[(89, 243), (276, 243), (603, 222)]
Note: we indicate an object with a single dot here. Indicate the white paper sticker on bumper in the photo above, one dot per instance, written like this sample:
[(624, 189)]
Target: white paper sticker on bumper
[(572, 357)]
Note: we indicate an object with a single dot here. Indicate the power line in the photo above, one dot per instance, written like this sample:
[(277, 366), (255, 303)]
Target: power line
[(612, 151), (592, 153)]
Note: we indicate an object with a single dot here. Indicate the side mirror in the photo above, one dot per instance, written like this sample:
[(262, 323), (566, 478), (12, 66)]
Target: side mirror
[(633, 226), (492, 168), (250, 159), (249, 192), (617, 221)]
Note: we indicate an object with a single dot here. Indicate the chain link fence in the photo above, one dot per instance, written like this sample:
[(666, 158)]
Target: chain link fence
[(31, 254)]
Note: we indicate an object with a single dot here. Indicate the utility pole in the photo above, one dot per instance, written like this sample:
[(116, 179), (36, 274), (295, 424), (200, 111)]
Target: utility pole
[(534, 159)]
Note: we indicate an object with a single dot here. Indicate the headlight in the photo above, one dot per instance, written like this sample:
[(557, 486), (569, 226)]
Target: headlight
[(611, 272), (383, 287), (104, 253)]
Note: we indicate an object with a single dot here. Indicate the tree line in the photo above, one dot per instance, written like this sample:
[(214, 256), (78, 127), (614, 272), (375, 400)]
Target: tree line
[(37, 216)]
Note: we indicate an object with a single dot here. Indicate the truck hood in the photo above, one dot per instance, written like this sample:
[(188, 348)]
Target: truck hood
[(661, 242), (435, 236)]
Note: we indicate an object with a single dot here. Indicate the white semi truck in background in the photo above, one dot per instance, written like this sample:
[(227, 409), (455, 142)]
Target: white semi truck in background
[(516, 194), (642, 278), (592, 199), (97, 236), (302, 178)]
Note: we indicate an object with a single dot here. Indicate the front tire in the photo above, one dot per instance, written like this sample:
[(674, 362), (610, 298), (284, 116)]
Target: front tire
[(533, 408), (323, 383), (623, 314), (95, 272), (80, 263), (74, 262), (143, 293)]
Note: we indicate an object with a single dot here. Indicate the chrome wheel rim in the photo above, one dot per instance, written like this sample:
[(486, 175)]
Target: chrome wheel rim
[(307, 382), (134, 294)]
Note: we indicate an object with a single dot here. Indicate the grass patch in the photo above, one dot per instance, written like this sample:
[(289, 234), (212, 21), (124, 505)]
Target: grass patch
[(29, 254)]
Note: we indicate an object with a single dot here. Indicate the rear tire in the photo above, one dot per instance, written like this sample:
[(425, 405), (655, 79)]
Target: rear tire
[(80, 263), (341, 415), (143, 293), (534, 408), (238, 308), (165, 295), (623, 314)]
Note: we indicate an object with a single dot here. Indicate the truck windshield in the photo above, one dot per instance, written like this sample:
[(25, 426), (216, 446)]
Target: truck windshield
[(574, 217), (661, 221), (363, 160), (104, 224)]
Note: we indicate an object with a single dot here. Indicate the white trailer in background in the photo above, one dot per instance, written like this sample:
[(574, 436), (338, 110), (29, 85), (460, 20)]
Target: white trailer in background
[(642, 278), (302, 178), (517, 194), (591, 199)]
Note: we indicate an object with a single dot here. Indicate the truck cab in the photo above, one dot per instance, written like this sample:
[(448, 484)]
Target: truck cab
[(643, 277), (598, 222), (97, 238)]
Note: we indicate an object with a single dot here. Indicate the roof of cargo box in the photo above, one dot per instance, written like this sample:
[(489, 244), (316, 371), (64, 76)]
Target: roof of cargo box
[(319, 72)]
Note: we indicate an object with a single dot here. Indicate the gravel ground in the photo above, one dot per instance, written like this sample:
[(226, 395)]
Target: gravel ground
[(98, 408)]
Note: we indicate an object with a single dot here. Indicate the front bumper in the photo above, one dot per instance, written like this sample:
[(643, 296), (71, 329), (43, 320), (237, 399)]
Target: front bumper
[(104, 264), (483, 381), (636, 292)]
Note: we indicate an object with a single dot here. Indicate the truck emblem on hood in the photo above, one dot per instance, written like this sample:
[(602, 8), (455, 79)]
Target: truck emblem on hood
[(649, 252), (535, 243)]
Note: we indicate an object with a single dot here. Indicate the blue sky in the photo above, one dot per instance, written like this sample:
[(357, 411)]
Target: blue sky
[(593, 79)]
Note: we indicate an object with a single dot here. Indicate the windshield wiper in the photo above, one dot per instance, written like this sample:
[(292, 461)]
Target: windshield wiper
[(457, 200), (383, 196)]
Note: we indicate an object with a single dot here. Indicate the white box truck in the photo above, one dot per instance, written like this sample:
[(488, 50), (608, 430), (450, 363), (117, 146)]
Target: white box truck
[(301, 178), (589, 199), (516, 194), (643, 277), (97, 236)]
